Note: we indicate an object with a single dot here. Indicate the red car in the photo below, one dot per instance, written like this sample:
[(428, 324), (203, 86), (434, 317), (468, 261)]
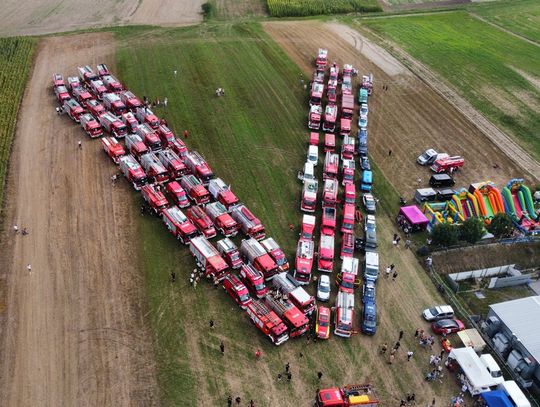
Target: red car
[(447, 326), (322, 327)]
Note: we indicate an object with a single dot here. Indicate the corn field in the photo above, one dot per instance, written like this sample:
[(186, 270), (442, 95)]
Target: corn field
[(299, 8), (15, 60)]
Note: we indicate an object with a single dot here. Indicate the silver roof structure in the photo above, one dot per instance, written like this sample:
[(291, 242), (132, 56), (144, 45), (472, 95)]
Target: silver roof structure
[(522, 317)]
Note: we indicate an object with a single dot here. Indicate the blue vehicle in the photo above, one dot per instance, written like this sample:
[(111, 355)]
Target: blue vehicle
[(362, 142), (362, 122), (368, 292), (369, 318), (367, 181)]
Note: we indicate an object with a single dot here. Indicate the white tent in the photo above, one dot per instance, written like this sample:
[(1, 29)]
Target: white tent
[(477, 377)]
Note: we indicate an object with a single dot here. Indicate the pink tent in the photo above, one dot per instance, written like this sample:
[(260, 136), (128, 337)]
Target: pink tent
[(412, 218)]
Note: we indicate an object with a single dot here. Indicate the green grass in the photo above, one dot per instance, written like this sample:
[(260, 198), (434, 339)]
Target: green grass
[(255, 138), (399, 2), (477, 306), (301, 8), (519, 16), (493, 70), (15, 61)]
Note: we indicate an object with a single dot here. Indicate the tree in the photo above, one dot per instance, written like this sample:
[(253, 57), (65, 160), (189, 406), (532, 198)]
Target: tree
[(444, 234), (471, 230), (501, 226)]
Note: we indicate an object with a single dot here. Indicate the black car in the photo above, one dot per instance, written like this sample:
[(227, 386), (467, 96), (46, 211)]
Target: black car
[(364, 163)]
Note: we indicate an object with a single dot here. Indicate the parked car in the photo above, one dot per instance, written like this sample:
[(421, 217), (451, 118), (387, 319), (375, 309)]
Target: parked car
[(447, 326), (370, 234), (322, 325), (323, 288), (313, 155), (369, 318), (429, 156), (368, 292), (364, 163), (438, 312), (369, 203)]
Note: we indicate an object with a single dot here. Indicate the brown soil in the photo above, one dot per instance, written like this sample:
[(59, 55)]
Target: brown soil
[(38, 17), (73, 331), (407, 118)]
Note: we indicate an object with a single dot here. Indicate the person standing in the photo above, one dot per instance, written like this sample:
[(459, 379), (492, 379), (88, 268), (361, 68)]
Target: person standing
[(384, 348), (222, 348), (211, 323), (186, 134), (287, 367), (173, 277), (289, 377), (229, 399), (238, 400), (16, 229), (389, 153), (409, 355), (29, 268), (388, 271), (165, 102), (319, 375), (394, 276), (400, 335), (80, 145)]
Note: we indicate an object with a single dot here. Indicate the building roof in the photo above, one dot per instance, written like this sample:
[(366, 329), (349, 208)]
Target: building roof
[(517, 316)]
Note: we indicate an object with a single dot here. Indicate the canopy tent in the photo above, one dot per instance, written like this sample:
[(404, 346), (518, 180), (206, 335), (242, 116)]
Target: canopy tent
[(496, 398), (412, 217), (476, 373)]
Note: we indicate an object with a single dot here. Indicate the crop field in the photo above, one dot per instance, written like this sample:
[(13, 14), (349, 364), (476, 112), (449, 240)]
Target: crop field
[(228, 9), (254, 137), (495, 71), (300, 8), (521, 17), (15, 61)]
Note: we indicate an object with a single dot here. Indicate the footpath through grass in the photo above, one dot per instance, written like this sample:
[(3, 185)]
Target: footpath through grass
[(495, 71), (519, 16), (15, 61)]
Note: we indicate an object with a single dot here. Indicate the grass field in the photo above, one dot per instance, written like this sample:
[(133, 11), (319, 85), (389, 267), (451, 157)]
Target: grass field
[(519, 16), (254, 138), (497, 72), (15, 60)]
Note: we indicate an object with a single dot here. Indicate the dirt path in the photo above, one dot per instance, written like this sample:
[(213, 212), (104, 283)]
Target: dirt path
[(38, 17), (73, 331), (407, 118)]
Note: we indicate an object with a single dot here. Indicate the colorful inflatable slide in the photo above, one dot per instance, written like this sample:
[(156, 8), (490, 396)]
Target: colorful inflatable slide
[(441, 212), (466, 204), (490, 201), (519, 205)]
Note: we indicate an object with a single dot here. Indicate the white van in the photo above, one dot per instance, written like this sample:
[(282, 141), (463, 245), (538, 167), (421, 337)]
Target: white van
[(492, 367), (308, 173), (371, 266), (514, 393), (313, 155)]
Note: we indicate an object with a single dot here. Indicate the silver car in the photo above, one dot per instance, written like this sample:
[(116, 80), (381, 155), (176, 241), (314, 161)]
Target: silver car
[(323, 288)]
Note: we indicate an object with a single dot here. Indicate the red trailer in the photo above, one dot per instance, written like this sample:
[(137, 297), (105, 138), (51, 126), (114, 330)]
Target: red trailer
[(172, 163), (267, 322), (230, 253), (113, 125), (202, 221), (223, 221), (178, 224), (177, 194), (304, 260), (295, 320), (208, 258), (133, 171), (254, 253), (195, 189), (113, 148), (154, 198), (90, 125), (250, 225), (222, 193), (198, 166), (155, 171)]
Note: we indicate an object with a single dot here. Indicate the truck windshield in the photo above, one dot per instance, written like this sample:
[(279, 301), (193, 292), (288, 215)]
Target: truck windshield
[(244, 298), (347, 284), (281, 261), (370, 322), (235, 256), (260, 287)]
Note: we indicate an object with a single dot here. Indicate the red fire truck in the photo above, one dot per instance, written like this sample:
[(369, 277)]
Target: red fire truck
[(230, 253), (178, 224), (304, 261), (222, 193), (195, 189), (254, 280), (208, 258), (254, 253), (154, 198), (237, 290), (250, 225), (295, 320), (202, 221), (221, 218), (268, 322), (347, 396), (113, 148), (273, 249)]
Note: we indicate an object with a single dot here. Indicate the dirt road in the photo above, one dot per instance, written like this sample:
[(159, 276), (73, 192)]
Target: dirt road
[(73, 330), (407, 118), (38, 17)]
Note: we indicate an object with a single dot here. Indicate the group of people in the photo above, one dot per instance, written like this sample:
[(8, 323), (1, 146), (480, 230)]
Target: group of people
[(195, 277), (157, 102), (23, 231), (220, 92)]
